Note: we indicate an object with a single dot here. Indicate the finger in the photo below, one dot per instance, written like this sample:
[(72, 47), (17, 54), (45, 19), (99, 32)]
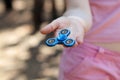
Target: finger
[(77, 37), (80, 36), (79, 40), (50, 27), (76, 44), (56, 24)]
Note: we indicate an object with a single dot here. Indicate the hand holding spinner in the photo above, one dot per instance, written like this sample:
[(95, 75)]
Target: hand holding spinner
[(61, 39)]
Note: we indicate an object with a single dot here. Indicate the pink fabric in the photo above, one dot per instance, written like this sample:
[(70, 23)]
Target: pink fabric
[(106, 21), (89, 62)]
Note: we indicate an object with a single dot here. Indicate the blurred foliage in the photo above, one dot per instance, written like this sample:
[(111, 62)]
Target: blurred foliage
[(23, 53)]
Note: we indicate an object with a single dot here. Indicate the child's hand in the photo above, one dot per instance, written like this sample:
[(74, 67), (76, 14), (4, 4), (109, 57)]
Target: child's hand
[(76, 28)]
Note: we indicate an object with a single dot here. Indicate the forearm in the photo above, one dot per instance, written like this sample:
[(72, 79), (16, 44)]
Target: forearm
[(80, 11)]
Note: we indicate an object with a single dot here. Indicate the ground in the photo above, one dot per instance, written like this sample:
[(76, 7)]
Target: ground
[(23, 55)]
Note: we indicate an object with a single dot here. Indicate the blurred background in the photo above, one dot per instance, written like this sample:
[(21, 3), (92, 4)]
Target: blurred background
[(23, 53)]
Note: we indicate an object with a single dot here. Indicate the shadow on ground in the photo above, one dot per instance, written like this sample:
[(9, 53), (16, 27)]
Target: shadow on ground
[(23, 53), (24, 56)]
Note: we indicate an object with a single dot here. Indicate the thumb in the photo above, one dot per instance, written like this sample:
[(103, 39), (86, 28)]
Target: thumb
[(58, 23), (53, 25), (49, 28)]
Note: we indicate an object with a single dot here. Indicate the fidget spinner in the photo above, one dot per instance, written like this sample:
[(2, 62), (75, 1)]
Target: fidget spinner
[(61, 39)]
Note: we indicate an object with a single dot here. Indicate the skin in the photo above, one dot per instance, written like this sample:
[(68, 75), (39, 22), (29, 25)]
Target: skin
[(79, 9)]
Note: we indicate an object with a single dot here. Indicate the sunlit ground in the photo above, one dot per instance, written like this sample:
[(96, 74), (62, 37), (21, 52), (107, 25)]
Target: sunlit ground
[(23, 55), (26, 57)]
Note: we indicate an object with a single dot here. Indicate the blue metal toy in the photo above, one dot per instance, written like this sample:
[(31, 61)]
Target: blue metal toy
[(61, 39)]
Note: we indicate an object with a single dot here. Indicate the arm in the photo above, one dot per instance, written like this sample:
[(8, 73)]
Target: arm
[(81, 9), (77, 19)]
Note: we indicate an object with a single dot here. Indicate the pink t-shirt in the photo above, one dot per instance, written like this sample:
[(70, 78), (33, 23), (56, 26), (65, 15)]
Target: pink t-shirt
[(106, 21)]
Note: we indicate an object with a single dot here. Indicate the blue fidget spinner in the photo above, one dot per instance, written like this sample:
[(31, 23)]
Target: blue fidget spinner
[(61, 39)]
